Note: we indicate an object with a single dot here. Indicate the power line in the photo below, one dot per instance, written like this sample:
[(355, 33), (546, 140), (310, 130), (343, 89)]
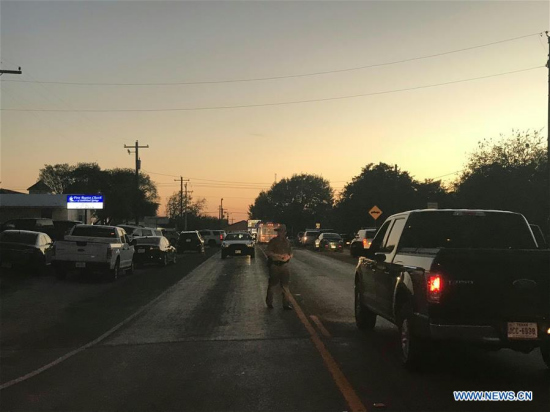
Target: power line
[(277, 103), (287, 76)]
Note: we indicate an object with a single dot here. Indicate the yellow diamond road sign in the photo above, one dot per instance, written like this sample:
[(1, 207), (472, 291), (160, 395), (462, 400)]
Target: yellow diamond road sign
[(375, 212)]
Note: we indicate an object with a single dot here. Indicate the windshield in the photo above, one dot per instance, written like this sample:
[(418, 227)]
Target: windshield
[(238, 236), (19, 237), (456, 230), (332, 236), (94, 231), (148, 240)]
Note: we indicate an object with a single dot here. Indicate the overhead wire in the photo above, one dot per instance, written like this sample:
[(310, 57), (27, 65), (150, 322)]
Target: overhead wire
[(275, 103), (257, 79)]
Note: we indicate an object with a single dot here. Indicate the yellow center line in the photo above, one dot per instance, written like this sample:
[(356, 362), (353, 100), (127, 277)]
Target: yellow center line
[(338, 376), (321, 327)]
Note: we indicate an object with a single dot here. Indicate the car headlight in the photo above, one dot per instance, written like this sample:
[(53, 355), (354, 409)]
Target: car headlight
[(224, 244)]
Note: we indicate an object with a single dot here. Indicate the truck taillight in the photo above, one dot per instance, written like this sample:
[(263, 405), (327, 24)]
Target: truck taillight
[(434, 287), (109, 253), (366, 243), (221, 237)]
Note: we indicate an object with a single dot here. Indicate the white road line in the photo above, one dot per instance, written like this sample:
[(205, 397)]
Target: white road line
[(96, 341)]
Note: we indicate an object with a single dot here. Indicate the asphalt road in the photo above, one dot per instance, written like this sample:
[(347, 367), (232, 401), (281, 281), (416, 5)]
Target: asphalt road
[(210, 344)]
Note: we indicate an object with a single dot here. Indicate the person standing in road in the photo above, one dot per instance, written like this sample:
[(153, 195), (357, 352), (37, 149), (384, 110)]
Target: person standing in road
[(278, 254)]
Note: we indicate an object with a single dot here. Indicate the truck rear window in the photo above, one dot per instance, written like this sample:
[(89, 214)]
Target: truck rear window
[(91, 231), (491, 230)]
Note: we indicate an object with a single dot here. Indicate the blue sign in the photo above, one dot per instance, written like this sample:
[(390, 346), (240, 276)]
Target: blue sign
[(84, 201)]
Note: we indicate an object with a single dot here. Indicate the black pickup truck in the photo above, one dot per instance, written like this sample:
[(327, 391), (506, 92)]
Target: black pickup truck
[(472, 276)]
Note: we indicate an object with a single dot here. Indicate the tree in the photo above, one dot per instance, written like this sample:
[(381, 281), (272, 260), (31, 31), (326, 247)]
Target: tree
[(508, 174), (174, 210), (58, 177), (299, 202), (387, 187), (118, 186)]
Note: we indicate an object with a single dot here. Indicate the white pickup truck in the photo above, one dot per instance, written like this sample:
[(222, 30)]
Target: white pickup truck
[(94, 248)]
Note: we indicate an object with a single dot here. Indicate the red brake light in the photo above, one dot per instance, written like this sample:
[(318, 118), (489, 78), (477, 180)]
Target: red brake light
[(221, 236), (435, 287), (366, 243)]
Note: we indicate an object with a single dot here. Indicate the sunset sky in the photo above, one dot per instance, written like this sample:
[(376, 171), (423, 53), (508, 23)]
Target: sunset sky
[(255, 55)]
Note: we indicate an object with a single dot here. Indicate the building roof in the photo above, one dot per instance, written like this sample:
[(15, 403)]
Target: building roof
[(9, 192), (241, 226), (40, 186), (33, 200)]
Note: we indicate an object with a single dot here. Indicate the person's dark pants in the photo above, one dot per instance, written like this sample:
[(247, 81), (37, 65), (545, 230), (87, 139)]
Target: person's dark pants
[(278, 275)]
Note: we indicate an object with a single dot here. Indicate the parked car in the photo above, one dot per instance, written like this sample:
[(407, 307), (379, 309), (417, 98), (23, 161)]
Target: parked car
[(153, 249), (138, 231), (456, 276), (331, 242), (213, 237), (361, 242), (42, 225), (172, 235), (308, 240), (95, 249), (237, 244), (63, 227), (190, 240), (25, 249)]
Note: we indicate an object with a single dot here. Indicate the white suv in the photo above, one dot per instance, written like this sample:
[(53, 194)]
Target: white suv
[(212, 237)]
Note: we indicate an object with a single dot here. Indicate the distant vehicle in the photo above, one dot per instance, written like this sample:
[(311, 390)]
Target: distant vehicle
[(347, 238), (299, 238), (266, 231), (361, 242), (190, 240), (213, 237), (237, 244), (38, 224), (308, 240), (541, 241), (94, 248), (455, 275), (63, 227), (25, 249), (153, 249), (331, 242), (138, 231)]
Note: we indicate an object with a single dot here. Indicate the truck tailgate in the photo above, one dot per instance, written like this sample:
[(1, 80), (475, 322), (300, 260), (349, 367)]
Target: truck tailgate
[(81, 251), (488, 285)]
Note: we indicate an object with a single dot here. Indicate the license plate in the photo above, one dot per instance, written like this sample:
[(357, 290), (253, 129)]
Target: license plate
[(6, 265), (237, 252), (188, 240), (80, 264), (333, 246), (141, 250), (522, 330)]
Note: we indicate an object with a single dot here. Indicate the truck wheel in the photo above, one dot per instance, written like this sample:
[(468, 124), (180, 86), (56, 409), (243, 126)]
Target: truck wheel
[(545, 352), (412, 348), (365, 319), (113, 273)]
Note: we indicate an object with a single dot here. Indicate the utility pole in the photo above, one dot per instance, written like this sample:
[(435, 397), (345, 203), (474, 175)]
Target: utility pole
[(186, 203), (548, 122), (221, 211), (181, 180), (138, 167)]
